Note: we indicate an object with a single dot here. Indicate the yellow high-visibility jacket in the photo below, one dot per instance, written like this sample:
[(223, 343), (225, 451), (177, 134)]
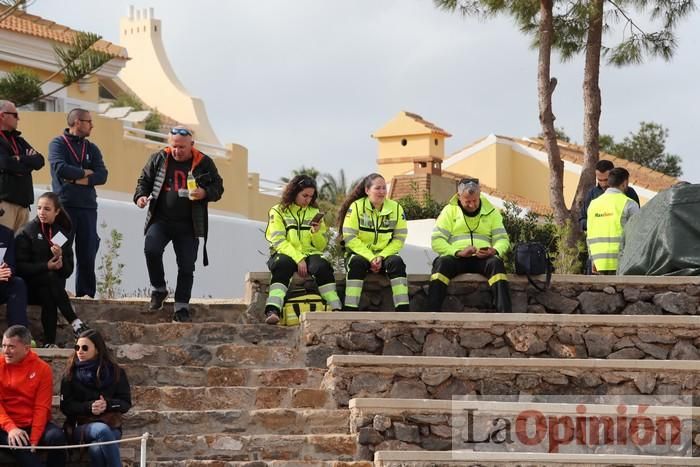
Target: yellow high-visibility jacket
[(455, 231), (289, 232), (370, 233), (605, 229)]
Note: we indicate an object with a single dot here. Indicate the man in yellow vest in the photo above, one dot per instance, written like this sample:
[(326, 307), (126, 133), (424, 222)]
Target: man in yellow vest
[(469, 237), (607, 216)]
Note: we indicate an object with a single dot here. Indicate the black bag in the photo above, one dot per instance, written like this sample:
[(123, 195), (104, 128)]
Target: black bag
[(532, 259)]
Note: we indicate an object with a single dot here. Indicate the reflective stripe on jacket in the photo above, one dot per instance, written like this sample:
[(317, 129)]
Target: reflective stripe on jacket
[(289, 232), (369, 232), (605, 229), (455, 231)]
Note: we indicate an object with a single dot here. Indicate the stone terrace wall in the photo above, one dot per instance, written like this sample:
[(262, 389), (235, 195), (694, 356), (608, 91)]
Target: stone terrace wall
[(500, 335), (629, 295)]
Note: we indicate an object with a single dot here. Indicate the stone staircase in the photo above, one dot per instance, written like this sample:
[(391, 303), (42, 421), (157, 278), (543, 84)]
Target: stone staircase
[(383, 388)]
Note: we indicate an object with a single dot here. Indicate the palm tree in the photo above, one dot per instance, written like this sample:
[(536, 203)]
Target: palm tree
[(334, 190)]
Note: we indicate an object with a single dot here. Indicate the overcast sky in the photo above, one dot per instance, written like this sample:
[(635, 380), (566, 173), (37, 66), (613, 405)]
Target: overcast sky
[(306, 82)]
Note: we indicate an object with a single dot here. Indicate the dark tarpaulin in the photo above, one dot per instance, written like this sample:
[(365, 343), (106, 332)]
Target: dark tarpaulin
[(663, 238)]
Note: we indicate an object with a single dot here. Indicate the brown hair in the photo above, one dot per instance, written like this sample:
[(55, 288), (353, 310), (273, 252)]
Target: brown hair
[(360, 191), (295, 185), (62, 219), (104, 355)]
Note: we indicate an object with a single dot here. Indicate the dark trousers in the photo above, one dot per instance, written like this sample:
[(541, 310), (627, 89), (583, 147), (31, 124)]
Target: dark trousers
[(53, 436), (185, 244), (283, 268), (48, 289), (358, 268), (446, 268), (87, 242), (14, 294)]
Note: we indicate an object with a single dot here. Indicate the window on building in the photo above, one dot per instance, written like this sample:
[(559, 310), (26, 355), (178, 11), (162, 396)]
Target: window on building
[(404, 142)]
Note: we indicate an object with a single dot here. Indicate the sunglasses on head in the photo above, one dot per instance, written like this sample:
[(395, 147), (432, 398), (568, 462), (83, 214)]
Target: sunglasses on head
[(14, 114), (469, 181), (306, 183), (180, 131), (84, 347)]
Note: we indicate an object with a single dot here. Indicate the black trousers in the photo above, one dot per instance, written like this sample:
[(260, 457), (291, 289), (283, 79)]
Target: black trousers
[(358, 268), (445, 268), (48, 289), (185, 244), (283, 268)]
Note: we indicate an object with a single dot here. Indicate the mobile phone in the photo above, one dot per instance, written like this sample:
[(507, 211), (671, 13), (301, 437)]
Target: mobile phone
[(317, 218), (484, 248)]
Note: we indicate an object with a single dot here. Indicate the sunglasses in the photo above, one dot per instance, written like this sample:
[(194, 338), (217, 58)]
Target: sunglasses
[(14, 114), (469, 181), (180, 131), (84, 347), (306, 183)]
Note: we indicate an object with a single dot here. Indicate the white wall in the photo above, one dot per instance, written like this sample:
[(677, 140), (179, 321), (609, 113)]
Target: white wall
[(236, 246)]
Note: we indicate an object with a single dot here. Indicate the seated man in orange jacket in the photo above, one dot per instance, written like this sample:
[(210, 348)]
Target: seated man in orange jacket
[(26, 389)]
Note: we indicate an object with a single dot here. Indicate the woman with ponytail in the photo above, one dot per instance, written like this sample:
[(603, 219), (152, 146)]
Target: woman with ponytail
[(374, 230), (44, 255)]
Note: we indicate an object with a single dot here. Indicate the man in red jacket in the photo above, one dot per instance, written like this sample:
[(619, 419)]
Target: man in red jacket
[(26, 389)]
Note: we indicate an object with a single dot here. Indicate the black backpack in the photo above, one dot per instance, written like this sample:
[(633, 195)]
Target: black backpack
[(532, 259)]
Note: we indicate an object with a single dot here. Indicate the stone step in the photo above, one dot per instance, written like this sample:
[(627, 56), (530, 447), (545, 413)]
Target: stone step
[(226, 447), (125, 332), (151, 375), (352, 376), (403, 458), (227, 355), (482, 425), (228, 398), (268, 463), (499, 335), (239, 421)]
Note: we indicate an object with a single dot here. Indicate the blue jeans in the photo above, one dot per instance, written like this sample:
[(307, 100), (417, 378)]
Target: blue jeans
[(53, 436), (100, 456), (14, 293)]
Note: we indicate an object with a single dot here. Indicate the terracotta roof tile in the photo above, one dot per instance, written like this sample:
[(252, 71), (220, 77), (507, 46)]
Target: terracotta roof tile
[(433, 127), (639, 175), (523, 202), (32, 25)]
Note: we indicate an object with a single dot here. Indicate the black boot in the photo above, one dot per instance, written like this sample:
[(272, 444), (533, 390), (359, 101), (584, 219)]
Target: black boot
[(436, 295), (501, 292)]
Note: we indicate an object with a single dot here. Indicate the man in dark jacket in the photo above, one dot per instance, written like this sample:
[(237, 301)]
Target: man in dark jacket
[(13, 290), (76, 168), (602, 170), (177, 212), (17, 161)]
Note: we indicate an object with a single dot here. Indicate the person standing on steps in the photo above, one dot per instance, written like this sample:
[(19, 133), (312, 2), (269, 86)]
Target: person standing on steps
[(469, 236), (177, 184), (18, 160), (77, 168), (374, 231), (297, 236)]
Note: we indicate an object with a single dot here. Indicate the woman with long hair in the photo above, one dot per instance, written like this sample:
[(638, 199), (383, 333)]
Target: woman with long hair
[(45, 260), (297, 235), (94, 394), (374, 230)]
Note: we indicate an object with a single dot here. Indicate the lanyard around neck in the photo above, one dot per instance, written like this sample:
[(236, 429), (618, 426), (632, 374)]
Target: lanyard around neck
[(11, 140), (50, 233), (80, 159)]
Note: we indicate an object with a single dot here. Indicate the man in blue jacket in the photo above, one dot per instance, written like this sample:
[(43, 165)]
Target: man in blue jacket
[(76, 168)]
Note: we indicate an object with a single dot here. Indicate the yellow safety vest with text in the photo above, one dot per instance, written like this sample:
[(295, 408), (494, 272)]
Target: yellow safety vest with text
[(605, 229)]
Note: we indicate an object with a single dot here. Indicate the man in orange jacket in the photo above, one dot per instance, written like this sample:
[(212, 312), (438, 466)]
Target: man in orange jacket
[(26, 389)]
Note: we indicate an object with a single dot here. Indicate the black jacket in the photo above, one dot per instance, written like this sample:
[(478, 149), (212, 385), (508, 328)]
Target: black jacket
[(65, 169), (204, 170), (77, 398), (16, 184), (32, 251)]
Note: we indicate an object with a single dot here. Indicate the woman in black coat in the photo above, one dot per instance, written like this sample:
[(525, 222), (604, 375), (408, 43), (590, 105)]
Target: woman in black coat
[(94, 394), (44, 256)]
